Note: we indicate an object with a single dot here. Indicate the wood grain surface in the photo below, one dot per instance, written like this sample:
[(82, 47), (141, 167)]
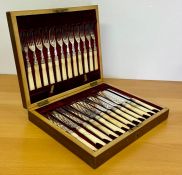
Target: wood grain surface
[(25, 149)]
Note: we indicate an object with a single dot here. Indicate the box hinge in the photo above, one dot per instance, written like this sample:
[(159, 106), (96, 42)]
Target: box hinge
[(43, 103), (94, 83)]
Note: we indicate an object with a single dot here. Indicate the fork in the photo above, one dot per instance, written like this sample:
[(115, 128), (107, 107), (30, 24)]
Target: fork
[(82, 36), (68, 57), (72, 41), (23, 38), (31, 45), (52, 39), (87, 34), (45, 40), (38, 43), (95, 47), (60, 43), (77, 38)]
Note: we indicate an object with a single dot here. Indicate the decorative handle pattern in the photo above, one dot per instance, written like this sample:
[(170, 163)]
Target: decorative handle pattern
[(58, 75), (85, 62), (44, 74), (30, 78), (51, 73), (37, 76), (91, 63), (96, 66), (80, 65), (75, 69), (70, 74)]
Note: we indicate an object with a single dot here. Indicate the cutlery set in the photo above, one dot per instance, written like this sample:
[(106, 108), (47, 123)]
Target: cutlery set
[(55, 54), (100, 118)]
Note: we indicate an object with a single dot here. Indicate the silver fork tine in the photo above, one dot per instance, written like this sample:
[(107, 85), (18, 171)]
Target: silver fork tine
[(60, 43), (31, 45), (38, 43), (72, 41), (45, 39), (96, 66), (23, 38), (52, 39), (77, 38), (68, 57), (82, 36), (87, 32)]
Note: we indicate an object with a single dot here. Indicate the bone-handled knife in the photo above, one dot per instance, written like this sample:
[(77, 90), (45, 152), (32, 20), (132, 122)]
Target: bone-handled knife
[(81, 130), (100, 119), (114, 102), (121, 101), (71, 132), (117, 110), (83, 123), (76, 110), (103, 113), (136, 101), (109, 109)]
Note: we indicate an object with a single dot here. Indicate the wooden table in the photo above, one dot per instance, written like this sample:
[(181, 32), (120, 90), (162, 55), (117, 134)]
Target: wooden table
[(26, 149)]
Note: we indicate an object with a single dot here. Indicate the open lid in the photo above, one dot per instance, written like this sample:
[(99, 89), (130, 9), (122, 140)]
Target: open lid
[(57, 52)]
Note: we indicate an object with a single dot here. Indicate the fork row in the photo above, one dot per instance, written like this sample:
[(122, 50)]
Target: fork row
[(78, 53)]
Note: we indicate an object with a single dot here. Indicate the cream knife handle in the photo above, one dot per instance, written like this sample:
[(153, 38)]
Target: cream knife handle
[(114, 121), (102, 128), (91, 63), (70, 75), (144, 104), (83, 141), (116, 116), (96, 60), (30, 78), (51, 73), (80, 66), (85, 62), (37, 76), (131, 113), (138, 111), (63, 66), (44, 74), (110, 125), (129, 117), (75, 68), (90, 136), (97, 132), (58, 73), (140, 107)]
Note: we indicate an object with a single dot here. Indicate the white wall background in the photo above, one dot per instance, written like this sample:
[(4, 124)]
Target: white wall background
[(141, 39)]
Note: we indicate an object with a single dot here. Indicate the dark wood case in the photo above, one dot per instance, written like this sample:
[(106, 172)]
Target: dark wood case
[(51, 96)]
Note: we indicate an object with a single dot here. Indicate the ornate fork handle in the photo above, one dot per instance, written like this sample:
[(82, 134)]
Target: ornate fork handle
[(29, 71)]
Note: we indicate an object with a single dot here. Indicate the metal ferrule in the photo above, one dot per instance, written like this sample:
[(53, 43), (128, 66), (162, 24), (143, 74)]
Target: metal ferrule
[(35, 58), (55, 52)]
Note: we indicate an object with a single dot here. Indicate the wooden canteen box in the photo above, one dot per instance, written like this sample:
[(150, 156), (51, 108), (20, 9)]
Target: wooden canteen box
[(58, 59)]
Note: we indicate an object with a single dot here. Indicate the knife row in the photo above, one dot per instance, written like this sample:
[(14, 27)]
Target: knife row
[(77, 47), (98, 119)]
